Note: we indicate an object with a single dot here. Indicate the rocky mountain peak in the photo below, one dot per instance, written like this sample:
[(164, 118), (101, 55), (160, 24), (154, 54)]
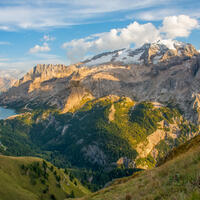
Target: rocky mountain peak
[(42, 72), (150, 53)]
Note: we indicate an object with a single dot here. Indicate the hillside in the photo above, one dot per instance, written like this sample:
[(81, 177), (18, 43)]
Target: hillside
[(177, 179), (25, 178)]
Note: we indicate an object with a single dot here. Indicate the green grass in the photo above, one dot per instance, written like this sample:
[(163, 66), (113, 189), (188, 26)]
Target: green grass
[(177, 179), (183, 148), (23, 178)]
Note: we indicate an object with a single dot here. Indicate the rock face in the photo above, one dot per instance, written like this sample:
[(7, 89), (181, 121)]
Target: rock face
[(125, 162), (164, 72)]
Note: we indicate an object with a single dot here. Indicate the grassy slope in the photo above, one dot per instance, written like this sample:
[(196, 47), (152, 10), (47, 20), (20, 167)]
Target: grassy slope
[(16, 185), (179, 178)]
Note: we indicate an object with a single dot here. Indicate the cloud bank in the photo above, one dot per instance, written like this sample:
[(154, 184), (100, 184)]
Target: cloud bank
[(43, 14), (134, 34), (178, 26), (40, 14)]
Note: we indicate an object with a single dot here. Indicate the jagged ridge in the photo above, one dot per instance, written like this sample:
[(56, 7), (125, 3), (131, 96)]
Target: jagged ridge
[(150, 53)]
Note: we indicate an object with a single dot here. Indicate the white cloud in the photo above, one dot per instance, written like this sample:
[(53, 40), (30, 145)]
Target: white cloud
[(37, 48), (178, 26), (139, 34), (134, 34)]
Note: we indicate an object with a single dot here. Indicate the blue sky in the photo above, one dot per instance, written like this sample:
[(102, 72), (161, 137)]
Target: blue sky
[(67, 31)]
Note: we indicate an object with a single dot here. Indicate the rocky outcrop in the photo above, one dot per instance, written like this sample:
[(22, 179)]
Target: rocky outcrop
[(164, 131), (94, 154), (126, 163), (111, 115)]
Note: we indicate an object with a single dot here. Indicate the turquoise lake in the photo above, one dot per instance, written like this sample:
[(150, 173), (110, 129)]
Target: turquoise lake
[(5, 113)]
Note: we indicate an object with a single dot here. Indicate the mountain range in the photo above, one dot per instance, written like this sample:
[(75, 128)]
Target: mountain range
[(113, 114)]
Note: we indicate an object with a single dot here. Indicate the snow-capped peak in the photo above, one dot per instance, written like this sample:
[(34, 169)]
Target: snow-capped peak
[(169, 43), (149, 53)]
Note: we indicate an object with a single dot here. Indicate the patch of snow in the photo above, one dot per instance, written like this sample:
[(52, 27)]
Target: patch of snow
[(126, 58), (168, 43), (120, 52), (133, 56), (171, 44), (136, 58), (101, 60), (122, 55)]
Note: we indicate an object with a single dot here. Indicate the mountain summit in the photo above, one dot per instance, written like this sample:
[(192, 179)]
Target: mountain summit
[(149, 53)]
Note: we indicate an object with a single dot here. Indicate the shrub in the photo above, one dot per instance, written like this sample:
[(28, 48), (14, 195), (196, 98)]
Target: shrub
[(43, 181), (128, 197), (66, 172), (52, 196), (58, 178), (52, 168)]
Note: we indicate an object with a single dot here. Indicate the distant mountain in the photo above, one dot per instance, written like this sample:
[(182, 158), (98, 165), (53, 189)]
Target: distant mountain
[(8, 78)]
